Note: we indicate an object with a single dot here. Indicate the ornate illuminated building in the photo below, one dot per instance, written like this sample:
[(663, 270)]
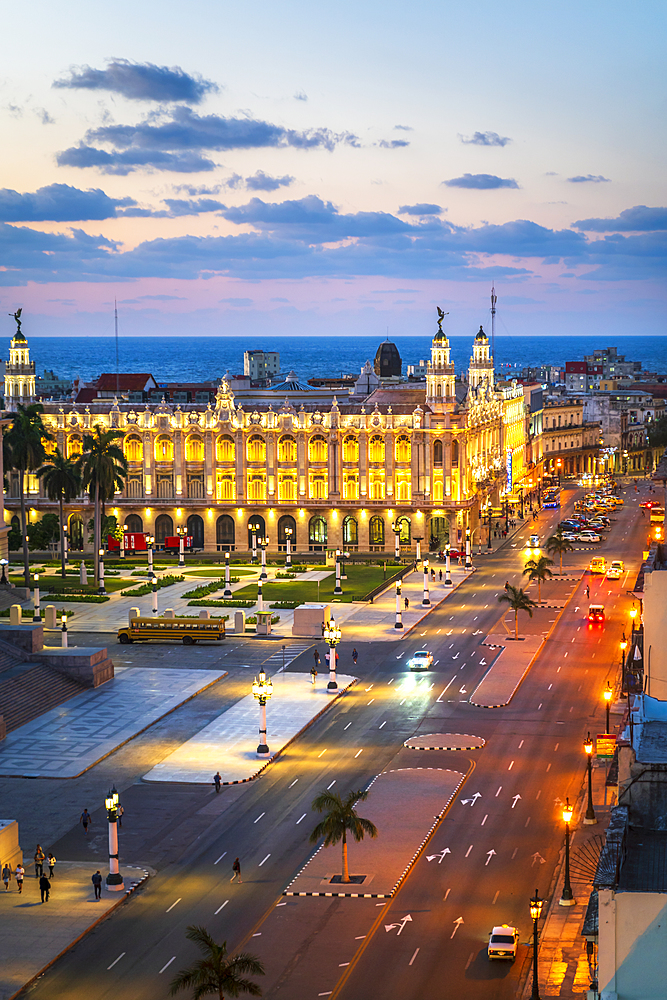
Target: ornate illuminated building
[(424, 456)]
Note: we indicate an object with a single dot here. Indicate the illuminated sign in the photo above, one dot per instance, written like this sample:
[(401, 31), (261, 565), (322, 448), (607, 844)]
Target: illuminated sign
[(508, 465), (605, 745)]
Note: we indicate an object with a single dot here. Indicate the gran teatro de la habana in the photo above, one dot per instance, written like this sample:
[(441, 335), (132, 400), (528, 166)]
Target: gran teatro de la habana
[(342, 468)]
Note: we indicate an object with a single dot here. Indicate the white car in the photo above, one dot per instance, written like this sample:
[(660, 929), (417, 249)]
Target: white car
[(503, 943), (534, 542), (616, 570), (569, 536), (421, 660), (588, 536)]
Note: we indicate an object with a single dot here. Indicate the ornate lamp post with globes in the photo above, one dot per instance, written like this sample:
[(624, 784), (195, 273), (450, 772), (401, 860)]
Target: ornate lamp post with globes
[(288, 541), (181, 531), (114, 878), (263, 542), (590, 817), (227, 592), (567, 899), (535, 910), (607, 694), (426, 600), (262, 688), (331, 634)]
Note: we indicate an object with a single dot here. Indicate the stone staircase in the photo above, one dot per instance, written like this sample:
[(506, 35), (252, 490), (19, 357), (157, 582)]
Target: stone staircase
[(27, 690)]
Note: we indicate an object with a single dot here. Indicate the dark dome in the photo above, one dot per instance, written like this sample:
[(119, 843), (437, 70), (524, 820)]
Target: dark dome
[(387, 360), (481, 337)]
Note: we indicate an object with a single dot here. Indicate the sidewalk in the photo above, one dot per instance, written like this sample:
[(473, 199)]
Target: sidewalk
[(35, 934)]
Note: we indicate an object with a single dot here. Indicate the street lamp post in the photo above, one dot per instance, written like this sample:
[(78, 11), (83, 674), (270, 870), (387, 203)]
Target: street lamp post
[(490, 511), (114, 878), (338, 590), (535, 910), (263, 542), (418, 540), (122, 541), (396, 528), (65, 543), (260, 595), (331, 635), (288, 540), (154, 584), (567, 899), (150, 542), (399, 614), (4, 563), (624, 645), (227, 592), (448, 573), (468, 559), (63, 623), (37, 617), (426, 601), (590, 817), (507, 514), (262, 688), (181, 531), (254, 528), (607, 694), (100, 589)]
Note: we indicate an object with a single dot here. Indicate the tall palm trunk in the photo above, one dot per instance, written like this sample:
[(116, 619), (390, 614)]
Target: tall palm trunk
[(539, 590), (561, 562), (346, 871), (62, 537), (97, 533), (24, 530), (516, 625)]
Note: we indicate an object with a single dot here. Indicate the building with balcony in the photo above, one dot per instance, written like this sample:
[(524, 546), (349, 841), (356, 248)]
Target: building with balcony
[(571, 445)]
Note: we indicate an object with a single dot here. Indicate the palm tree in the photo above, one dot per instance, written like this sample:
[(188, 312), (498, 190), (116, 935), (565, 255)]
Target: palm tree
[(556, 544), (518, 600), (24, 451), (538, 569), (62, 482), (216, 974), (341, 817), (103, 468)]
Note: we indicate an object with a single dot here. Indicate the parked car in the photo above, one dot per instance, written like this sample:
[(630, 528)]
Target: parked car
[(588, 536), (570, 536)]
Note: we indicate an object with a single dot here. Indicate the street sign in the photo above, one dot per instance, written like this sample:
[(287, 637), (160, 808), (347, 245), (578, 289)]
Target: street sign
[(605, 745)]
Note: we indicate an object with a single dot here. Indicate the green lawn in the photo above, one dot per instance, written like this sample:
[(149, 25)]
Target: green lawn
[(218, 571), (360, 581), (54, 585)]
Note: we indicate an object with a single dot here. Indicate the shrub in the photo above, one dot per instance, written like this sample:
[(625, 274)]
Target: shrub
[(146, 588), (222, 604)]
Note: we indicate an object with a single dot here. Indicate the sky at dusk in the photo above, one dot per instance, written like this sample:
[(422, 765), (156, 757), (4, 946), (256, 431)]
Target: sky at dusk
[(300, 168)]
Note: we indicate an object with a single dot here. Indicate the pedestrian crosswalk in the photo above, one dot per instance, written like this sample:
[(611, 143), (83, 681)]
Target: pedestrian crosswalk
[(290, 652)]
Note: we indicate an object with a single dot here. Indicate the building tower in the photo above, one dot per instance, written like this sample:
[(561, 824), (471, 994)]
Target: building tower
[(440, 372), (480, 370), (19, 371)]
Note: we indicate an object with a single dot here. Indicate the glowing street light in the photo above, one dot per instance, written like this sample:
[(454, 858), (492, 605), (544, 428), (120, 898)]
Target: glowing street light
[(567, 899), (338, 590), (535, 910), (263, 542), (181, 531), (150, 542), (468, 559), (426, 601), (448, 573), (227, 592), (331, 634), (590, 817), (262, 689), (399, 614), (37, 617), (100, 589), (114, 878), (255, 527), (154, 584), (607, 694), (396, 528), (122, 541), (288, 539)]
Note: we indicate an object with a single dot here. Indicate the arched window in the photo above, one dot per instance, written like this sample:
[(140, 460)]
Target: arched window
[(404, 525), (225, 533), (164, 449), (134, 449), (317, 534), (134, 524), (376, 449), (286, 487), (286, 449), (74, 445), (195, 529), (438, 533), (226, 486), (225, 450), (76, 532), (437, 453), (350, 449), (286, 522), (256, 449), (164, 528), (256, 526), (256, 487), (194, 449), (455, 454), (376, 531), (438, 389), (317, 449), (403, 449), (350, 531)]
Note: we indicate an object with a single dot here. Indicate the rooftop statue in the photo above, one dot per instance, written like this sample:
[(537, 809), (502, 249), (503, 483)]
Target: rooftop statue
[(17, 317), (441, 316)]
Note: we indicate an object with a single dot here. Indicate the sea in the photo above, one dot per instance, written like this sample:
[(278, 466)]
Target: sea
[(204, 359)]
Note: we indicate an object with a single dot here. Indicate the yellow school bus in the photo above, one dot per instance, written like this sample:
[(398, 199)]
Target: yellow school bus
[(185, 630)]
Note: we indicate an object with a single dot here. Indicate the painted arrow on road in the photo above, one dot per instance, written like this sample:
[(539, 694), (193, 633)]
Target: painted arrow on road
[(538, 857), (490, 855), (482, 662), (463, 690), (457, 924), (441, 855), (390, 927), (515, 800), (456, 656), (477, 795)]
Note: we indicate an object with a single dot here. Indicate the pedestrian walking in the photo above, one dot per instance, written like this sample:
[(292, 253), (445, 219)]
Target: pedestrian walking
[(406, 603), (52, 864), (588, 591), (217, 781), (39, 861), (354, 655), (6, 876), (313, 674), (44, 888), (440, 575), (119, 813), (236, 868), (316, 657), (96, 879), (19, 873), (86, 820)]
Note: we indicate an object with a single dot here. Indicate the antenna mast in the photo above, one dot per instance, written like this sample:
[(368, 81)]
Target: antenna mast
[(494, 299), (115, 314)]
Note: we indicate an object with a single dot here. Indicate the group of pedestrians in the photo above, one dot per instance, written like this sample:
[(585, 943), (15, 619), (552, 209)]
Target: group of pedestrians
[(41, 859)]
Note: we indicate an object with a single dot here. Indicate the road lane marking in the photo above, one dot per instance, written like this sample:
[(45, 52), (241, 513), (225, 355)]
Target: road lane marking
[(499, 791), (511, 765), (293, 783), (371, 701), (556, 747), (550, 687), (258, 934), (539, 706), (299, 820), (362, 937), (526, 823), (223, 906), (281, 904), (520, 744), (383, 724), (402, 703), (172, 959), (341, 965), (391, 681), (495, 898), (414, 956), (174, 904), (484, 820), (220, 858), (469, 850), (344, 728), (116, 960), (446, 894), (324, 751), (515, 853), (258, 818), (548, 767), (358, 752), (265, 859), (470, 958), (331, 785), (538, 795), (368, 688)]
